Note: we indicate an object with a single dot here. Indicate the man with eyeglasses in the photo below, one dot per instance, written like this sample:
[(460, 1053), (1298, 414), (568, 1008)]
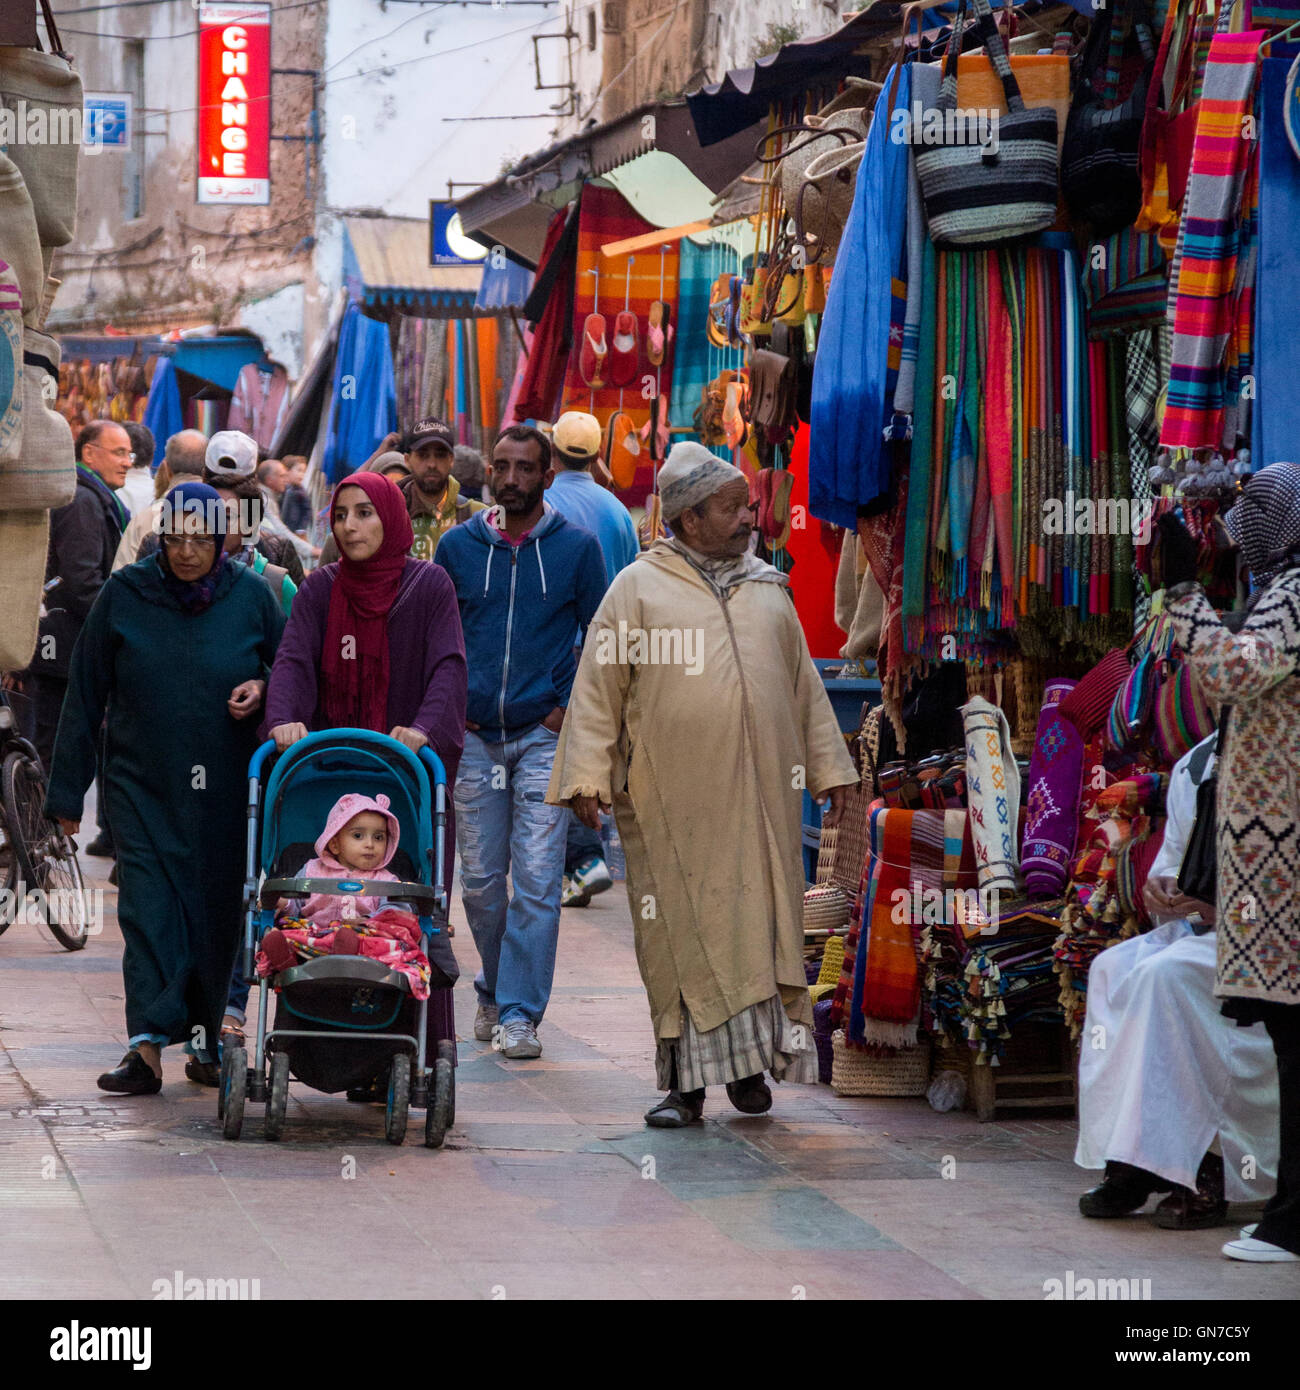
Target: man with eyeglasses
[(84, 535)]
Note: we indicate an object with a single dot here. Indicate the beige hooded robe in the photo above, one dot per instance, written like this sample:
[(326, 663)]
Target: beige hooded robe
[(701, 722)]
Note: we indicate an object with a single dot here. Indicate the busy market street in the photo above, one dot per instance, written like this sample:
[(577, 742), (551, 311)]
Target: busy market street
[(549, 1185)]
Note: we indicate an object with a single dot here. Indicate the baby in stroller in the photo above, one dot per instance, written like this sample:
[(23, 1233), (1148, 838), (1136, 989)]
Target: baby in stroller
[(359, 839)]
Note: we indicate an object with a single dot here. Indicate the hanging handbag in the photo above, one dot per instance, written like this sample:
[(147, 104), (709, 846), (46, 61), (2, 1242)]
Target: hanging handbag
[(1183, 714), (983, 194), (1126, 287), (1198, 875), (1131, 710), (1099, 165)]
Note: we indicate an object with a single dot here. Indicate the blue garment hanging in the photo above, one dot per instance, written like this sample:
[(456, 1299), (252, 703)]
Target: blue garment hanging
[(1276, 408), (162, 409), (848, 462), (363, 406)]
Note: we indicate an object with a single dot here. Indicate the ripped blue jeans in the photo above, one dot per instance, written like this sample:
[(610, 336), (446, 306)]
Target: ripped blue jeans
[(504, 827)]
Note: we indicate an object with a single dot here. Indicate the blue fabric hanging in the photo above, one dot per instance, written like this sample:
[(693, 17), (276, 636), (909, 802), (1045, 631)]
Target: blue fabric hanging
[(1276, 415), (162, 409), (363, 406), (848, 463)]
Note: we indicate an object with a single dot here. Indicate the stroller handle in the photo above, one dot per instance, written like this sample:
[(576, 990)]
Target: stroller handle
[(265, 750)]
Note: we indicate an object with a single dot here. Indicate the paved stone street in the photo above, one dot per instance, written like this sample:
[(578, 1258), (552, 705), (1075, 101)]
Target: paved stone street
[(549, 1185)]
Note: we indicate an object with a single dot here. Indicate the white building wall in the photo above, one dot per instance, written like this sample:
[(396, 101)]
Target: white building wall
[(397, 74)]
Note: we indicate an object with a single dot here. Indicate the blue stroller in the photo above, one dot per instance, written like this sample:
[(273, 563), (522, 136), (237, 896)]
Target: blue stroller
[(345, 1022)]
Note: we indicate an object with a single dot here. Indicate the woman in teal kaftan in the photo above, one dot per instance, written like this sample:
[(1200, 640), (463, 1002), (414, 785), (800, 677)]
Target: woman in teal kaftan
[(178, 667)]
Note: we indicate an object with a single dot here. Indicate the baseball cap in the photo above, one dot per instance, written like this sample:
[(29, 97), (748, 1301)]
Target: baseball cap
[(232, 454), (577, 435), (427, 430)]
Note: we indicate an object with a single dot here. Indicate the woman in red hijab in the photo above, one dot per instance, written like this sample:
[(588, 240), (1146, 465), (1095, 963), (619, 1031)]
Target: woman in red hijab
[(373, 640)]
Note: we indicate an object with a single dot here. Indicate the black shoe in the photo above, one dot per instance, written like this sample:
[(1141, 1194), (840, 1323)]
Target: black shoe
[(205, 1073), (372, 1093), (1185, 1210), (101, 848), (677, 1110), (132, 1076), (1122, 1191), (751, 1096)]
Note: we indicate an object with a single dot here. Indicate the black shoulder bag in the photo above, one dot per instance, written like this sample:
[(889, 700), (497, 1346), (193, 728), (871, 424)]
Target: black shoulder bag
[(1199, 875)]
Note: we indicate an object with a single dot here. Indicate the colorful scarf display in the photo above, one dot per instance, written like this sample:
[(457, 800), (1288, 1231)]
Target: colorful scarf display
[(1205, 298), (993, 785), (1055, 777)]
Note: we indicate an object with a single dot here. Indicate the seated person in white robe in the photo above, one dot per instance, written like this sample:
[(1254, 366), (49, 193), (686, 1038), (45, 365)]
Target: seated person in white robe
[(1173, 1097)]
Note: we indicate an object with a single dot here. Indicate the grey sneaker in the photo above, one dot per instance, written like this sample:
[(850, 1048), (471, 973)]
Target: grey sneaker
[(485, 1022), (519, 1040)]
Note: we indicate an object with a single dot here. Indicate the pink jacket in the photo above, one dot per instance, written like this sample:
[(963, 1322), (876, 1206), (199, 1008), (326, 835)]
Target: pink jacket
[(323, 908)]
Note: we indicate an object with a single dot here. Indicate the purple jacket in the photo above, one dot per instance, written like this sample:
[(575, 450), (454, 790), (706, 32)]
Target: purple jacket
[(426, 658)]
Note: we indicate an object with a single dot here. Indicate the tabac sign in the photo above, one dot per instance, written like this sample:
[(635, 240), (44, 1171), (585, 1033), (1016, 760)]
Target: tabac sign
[(234, 141)]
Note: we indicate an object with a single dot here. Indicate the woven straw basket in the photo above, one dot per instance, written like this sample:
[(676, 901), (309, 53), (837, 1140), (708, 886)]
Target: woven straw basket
[(857, 1073), (825, 907)]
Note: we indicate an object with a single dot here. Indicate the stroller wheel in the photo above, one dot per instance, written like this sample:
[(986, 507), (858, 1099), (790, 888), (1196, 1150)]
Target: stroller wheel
[(447, 1049), (232, 1091), (442, 1104), (399, 1098), (277, 1101)]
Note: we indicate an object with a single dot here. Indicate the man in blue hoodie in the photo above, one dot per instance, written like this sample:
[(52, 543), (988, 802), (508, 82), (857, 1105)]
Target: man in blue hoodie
[(526, 579)]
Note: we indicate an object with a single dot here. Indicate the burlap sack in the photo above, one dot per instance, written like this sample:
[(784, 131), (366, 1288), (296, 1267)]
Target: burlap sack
[(43, 94), (24, 541), (19, 244), (45, 473)]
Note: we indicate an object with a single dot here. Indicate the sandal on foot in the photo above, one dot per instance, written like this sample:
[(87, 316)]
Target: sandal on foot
[(677, 1110)]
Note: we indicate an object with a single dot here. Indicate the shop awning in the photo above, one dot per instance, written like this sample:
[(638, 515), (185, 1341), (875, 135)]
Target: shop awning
[(651, 155), (743, 97), (821, 63), (386, 259)]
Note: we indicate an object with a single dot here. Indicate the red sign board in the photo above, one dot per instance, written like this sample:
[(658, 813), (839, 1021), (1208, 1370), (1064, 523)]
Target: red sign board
[(234, 102)]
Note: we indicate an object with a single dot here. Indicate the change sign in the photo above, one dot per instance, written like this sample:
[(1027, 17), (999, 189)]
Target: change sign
[(234, 141)]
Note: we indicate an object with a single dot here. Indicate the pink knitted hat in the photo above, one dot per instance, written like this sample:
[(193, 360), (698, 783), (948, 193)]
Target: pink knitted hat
[(353, 804)]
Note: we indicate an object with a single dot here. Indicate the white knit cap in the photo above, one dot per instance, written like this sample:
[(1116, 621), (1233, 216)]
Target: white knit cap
[(691, 474)]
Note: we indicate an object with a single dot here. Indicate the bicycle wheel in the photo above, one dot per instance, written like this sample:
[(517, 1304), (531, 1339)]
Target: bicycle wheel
[(43, 854)]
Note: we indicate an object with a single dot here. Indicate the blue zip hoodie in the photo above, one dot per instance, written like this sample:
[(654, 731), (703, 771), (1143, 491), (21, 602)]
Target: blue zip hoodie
[(520, 606)]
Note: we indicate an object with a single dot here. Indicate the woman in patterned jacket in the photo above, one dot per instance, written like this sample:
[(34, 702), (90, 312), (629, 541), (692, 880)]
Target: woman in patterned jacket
[(1254, 670)]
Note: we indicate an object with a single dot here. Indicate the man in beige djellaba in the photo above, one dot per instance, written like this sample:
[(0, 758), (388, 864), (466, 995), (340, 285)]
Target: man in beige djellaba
[(698, 715)]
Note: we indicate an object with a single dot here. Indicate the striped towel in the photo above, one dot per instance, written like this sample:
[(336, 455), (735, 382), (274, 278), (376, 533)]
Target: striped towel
[(1205, 304)]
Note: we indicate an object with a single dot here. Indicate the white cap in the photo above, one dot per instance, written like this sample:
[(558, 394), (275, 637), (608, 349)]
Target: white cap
[(232, 454)]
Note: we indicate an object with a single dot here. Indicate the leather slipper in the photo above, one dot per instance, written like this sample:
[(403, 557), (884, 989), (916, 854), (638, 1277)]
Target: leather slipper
[(623, 355), (658, 332), (595, 350), (751, 1096), (622, 449)]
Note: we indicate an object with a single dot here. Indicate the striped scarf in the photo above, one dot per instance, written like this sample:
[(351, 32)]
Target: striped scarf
[(1204, 305)]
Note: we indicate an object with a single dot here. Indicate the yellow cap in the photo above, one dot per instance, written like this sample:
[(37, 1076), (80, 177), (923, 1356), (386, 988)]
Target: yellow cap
[(577, 435)]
